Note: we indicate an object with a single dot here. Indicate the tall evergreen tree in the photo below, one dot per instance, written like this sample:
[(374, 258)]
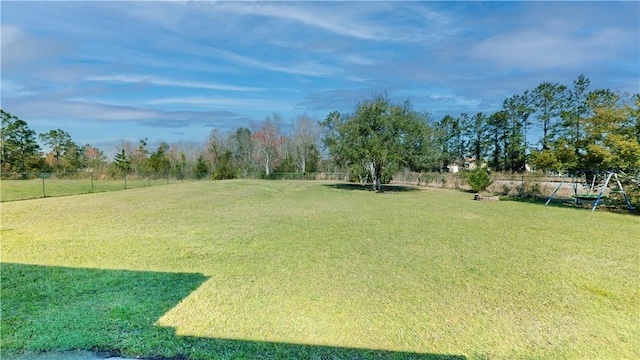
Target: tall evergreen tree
[(20, 150), (498, 136), (575, 114), (548, 101), (122, 162), (201, 169), (139, 158), (67, 155), (159, 160), (518, 111), (476, 133), (444, 130)]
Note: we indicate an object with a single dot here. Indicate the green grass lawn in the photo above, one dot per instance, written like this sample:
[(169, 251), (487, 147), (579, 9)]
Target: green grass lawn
[(287, 269), (12, 190)]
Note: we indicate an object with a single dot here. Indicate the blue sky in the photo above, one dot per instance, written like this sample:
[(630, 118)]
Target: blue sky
[(168, 71)]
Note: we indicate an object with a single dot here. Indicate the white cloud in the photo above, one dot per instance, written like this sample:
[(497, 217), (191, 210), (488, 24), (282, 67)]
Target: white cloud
[(151, 58), (453, 102), (308, 68), (159, 81), (9, 88), (337, 22), (356, 59), (226, 103), (19, 48), (11, 35), (87, 110), (80, 110), (375, 21), (540, 36), (535, 49)]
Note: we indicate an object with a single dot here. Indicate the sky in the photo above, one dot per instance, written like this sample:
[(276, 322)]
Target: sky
[(114, 71)]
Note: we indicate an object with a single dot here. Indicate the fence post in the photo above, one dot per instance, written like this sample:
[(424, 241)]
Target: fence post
[(92, 181), (43, 192), (125, 181)]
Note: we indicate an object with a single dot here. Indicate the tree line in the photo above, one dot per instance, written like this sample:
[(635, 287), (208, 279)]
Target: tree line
[(551, 128), (576, 128), (267, 147)]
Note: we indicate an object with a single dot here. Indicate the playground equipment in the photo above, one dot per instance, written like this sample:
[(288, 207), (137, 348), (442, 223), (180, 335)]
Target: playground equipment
[(594, 187)]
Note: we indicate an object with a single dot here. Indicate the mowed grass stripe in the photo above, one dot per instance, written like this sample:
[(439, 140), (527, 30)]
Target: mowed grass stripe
[(425, 270)]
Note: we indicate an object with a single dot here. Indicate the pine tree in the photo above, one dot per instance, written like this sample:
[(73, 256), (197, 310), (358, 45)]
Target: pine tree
[(122, 162)]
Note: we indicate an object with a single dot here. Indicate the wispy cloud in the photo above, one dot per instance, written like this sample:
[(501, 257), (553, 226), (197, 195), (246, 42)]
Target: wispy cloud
[(187, 66), (379, 21), (252, 104), (105, 112), (548, 35), (535, 49), (159, 81), (338, 22), (19, 48), (309, 68), (336, 99), (12, 89)]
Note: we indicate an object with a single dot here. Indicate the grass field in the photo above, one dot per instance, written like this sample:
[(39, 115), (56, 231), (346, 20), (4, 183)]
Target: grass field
[(286, 269)]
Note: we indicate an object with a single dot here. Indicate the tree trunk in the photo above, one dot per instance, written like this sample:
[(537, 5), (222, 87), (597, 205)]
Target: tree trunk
[(377, 177)]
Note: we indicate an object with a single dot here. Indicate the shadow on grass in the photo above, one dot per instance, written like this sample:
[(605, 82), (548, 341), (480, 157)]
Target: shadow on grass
[(385, 188), (112, 312), (569, 203)]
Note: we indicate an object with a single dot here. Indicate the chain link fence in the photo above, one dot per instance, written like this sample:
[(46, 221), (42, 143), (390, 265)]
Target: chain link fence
[(529, 186), (521, 185), (24, 186)]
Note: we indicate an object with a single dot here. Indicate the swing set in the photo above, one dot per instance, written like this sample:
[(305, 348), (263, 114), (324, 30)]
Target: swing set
[(593, 186)]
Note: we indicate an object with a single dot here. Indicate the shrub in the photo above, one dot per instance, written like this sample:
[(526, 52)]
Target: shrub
[(535, 190), (478, 179), (443, 181), (529, 190), (224, 170), (202, 169)]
